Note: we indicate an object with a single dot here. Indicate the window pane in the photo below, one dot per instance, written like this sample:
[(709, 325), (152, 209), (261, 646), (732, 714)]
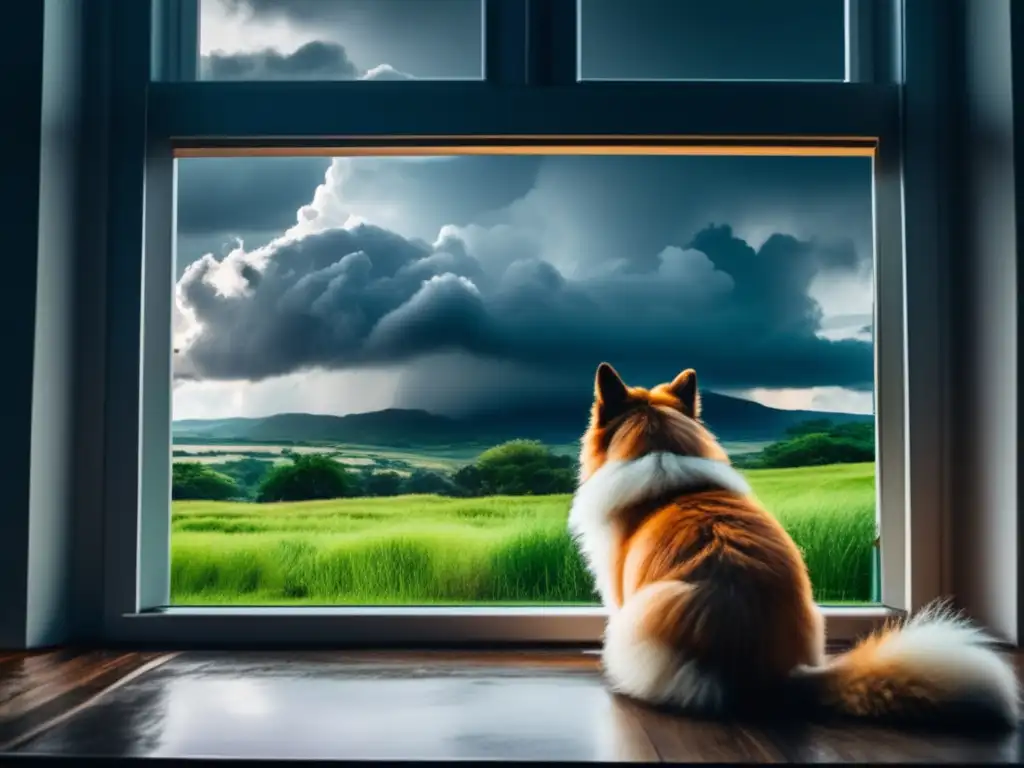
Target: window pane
[(340, 39), (720, 40), (365, 343)]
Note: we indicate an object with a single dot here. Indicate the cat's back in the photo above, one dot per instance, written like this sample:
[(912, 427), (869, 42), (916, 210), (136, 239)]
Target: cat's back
[(702, 536)]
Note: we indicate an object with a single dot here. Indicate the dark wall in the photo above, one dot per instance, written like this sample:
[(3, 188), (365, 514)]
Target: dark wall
[(20, 192), (984, 290), (52, 441), (1017, 70), (48, 218), (86, 612)]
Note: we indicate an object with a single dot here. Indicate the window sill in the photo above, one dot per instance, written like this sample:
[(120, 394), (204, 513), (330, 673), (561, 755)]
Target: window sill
[(408, 626)]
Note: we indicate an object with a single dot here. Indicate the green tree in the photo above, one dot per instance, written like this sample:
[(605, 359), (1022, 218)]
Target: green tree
[(248, 473), (810, 427), (517, 468), (193, 480), (469, 481), (308, 476), (382, 483), (816, 450), (424, 481), (816, 442), (863, 431)]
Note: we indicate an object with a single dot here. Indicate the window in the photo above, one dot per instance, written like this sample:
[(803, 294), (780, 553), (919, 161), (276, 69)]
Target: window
[(384, 363), (723, 40), (340, 40), (818, 161)]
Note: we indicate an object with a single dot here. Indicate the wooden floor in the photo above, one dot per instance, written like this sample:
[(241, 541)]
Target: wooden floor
[(429, 706)]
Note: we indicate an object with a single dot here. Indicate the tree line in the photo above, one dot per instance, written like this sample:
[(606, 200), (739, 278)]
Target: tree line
[(515, 468), (815, 443)]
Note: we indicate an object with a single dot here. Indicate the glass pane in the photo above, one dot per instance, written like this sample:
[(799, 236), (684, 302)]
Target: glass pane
[(340, 39), (385, 364), (720, 40)]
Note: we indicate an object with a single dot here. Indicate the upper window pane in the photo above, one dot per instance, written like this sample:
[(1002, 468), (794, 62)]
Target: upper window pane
[(720, 40), (340, 40)]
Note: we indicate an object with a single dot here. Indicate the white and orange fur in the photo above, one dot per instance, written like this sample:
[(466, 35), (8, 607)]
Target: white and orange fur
[(709, 600)]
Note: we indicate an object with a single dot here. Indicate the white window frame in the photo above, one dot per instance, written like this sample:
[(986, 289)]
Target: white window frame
[(154, 119)]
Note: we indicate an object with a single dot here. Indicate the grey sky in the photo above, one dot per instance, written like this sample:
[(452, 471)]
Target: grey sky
[(756, 270), (429, 39), (254, 199), (720, 40)]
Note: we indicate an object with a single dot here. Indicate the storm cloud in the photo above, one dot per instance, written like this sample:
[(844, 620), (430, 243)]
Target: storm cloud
[(352, 39), (362, 296), (316, 60), (371, 12), (222, 200)]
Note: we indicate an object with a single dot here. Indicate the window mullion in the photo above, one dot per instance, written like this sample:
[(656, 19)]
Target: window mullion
[(859, 25), (552, 43), (175, 54), (505, 37), (130, 57), (873, 30)]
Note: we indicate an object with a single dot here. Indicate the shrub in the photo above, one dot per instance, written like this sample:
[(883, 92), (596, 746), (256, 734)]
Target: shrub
[(309, 476), (815, 443), (424, 481), (386, 483), (247, 473), (816, 450), (517, 468), (193, 480)]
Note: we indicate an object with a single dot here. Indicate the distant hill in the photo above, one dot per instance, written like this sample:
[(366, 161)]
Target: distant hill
[(730, 418)]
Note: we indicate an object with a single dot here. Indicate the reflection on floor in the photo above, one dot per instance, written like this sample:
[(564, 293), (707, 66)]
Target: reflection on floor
[(432, 706)]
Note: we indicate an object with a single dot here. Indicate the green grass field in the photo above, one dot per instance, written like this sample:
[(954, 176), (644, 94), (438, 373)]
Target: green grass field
[(496, 550)]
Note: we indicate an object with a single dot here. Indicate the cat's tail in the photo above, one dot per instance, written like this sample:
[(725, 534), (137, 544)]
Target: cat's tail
[(936, 669)]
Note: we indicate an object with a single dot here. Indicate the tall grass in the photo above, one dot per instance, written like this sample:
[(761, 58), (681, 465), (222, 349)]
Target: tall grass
[(496, 550)]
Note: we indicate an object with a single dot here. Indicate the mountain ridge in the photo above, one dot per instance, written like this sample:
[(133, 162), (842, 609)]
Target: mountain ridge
[(730, 418)]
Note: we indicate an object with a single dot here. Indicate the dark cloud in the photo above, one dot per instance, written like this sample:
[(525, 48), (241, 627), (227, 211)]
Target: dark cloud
[(368, 297), (316, 60), (218, 195), (431, 194), (846, 321), (615, 206), (426, 38), (395, 16), (256, 199)]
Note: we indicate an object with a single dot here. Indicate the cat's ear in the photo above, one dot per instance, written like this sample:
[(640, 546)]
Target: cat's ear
[(611, 395), (684, 388)]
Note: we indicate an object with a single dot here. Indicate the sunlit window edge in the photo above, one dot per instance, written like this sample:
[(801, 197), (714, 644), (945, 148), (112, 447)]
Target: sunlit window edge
[(242, 626), (459, 622)]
